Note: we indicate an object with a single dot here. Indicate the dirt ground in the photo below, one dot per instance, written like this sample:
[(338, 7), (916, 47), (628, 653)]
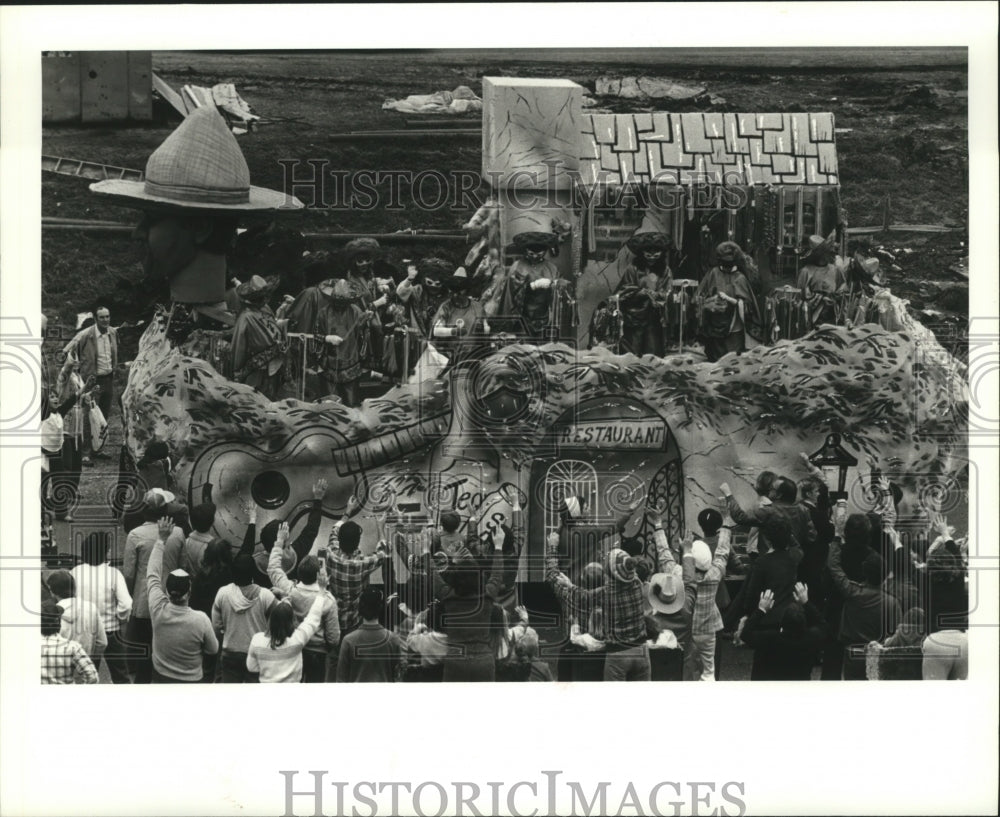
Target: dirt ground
[(901, 116)]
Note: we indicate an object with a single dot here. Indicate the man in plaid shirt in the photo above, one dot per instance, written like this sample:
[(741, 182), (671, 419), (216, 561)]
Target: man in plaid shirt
[(699, 657), (348, 570), (621, 600), (63, 661)]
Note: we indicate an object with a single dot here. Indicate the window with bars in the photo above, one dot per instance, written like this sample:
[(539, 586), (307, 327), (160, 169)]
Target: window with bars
[(567, 478)]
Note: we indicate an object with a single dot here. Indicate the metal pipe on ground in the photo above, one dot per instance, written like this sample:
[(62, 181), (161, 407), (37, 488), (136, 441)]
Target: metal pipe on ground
[(112, 228)]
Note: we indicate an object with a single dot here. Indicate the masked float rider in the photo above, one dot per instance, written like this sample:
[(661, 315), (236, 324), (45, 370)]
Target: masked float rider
[(532, 290), (361, 256), (643, 292), (726, 304), (820, 280), (259, 341), (458, 318), (344, 328), (195, 192)]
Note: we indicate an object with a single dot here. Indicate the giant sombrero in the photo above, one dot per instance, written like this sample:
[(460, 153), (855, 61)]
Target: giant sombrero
[(649, 242), (199, 167)]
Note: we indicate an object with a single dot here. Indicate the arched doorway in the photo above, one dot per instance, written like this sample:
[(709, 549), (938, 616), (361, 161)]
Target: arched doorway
[(614, 452)]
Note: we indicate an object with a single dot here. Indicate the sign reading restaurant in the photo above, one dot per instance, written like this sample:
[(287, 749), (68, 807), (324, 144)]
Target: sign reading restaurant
[(646, 434)]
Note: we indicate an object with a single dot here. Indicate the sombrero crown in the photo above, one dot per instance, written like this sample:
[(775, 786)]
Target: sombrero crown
[(199, 166)]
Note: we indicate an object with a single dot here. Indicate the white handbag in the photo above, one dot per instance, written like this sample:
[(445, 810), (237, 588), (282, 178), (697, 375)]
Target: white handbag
[(98, 428)]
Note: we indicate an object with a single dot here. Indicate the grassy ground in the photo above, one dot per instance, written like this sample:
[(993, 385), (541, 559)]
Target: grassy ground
[(903, 112)]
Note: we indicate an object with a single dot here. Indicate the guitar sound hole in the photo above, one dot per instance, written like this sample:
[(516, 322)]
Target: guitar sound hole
[(270, 489)]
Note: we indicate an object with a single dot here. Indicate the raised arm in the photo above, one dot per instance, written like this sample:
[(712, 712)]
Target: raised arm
[(304, 541), (846, 587), (279, 579), (249, 538), (154, 581), (737, 513)]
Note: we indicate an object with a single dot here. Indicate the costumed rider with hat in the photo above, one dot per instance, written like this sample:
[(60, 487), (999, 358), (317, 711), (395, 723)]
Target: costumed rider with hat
[(727, 306), (259, 341), (820, 279), (195, 193), (457, 318), (362, 255), (422, 291), (345, 330), (531, 292), (643, 292)]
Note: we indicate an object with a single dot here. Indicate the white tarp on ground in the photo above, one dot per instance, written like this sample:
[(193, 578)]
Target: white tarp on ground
[(646, 88), (461, 100)]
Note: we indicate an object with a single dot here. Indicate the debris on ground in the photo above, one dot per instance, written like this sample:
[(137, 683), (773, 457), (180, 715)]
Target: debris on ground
[(462, 100), (223, 96), (646, 88)]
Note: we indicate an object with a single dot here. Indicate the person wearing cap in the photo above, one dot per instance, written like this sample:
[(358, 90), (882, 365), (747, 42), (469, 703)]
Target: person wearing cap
[(458, 317), (727, 304), (643, 291), (259, 343), (62, 661), (320, 653), (138, 547), (182, 637), (706, 620), (820, 279), (345, 330), (528, 289), (195, 191)]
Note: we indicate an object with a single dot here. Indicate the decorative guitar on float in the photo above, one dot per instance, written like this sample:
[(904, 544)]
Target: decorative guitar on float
[(280, 481)]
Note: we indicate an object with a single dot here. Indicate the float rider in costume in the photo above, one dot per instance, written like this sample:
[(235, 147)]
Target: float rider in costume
[(457, 319), (344, 328), (532, 291), (195, 192), (821, 279), (361, 257), (259, 340), (726, 304), (643, 292)]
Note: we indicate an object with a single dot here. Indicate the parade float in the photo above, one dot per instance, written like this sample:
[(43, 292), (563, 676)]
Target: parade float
[(544, 421)]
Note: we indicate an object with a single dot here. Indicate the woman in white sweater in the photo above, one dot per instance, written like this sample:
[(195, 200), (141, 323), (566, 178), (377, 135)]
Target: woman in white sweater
[(277, 653)]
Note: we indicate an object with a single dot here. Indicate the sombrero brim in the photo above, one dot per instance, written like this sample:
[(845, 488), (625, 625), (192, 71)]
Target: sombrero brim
[(245, 291), (656, 241), (660, 606), (523, 241), (223, 316), (262, 201)]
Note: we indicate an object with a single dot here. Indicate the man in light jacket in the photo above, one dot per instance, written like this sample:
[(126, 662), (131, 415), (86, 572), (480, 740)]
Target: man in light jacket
[(97, 348)]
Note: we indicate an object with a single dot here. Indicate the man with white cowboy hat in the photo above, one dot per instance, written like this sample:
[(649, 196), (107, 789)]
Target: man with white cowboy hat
[(457, 318), (196, 191), (259, 341), (672, 591)]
